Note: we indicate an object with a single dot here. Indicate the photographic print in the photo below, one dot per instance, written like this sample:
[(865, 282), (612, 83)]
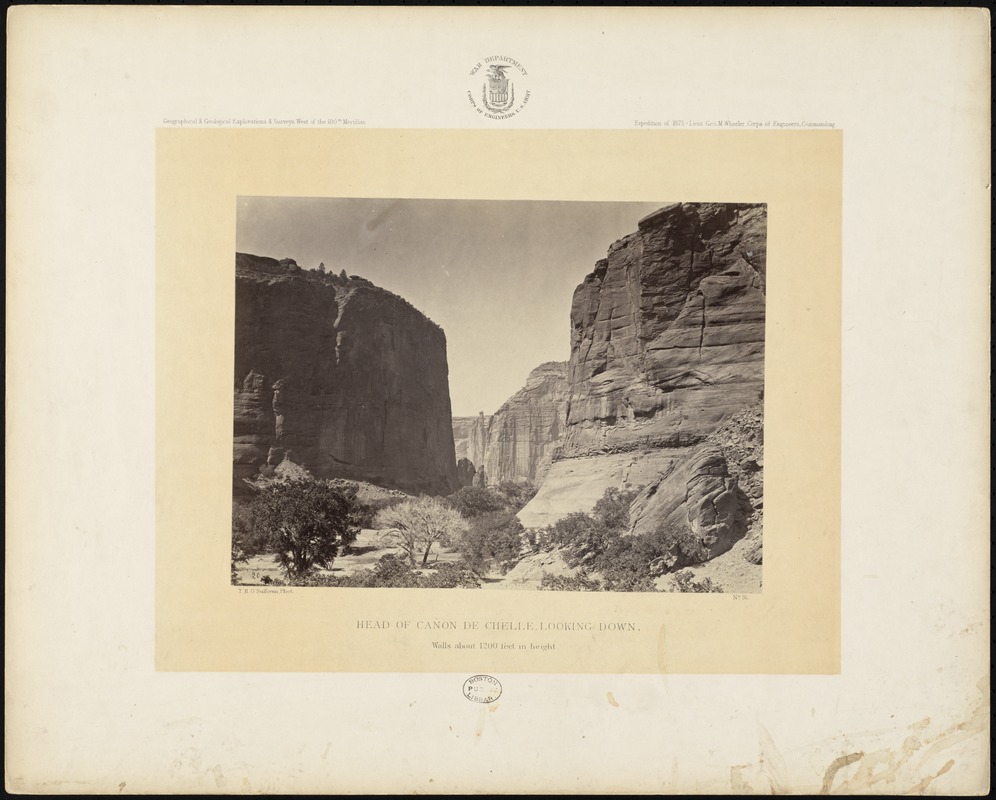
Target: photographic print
[(529, 395)]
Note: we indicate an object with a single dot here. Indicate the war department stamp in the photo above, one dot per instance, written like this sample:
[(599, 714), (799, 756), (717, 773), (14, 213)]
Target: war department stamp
[(499, 90)]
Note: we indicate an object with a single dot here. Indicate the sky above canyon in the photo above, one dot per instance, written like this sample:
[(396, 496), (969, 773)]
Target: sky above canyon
[(497, 276)]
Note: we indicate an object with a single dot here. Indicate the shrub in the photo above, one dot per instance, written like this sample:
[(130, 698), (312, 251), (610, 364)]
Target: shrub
[(393, 572), (569, 583), (586, 537), (449, 576), (684, 583), (627, 562), (366, 513), (583, 537), (492, 540), (508, 496), (474, 501), (612, 509), (516, 494)]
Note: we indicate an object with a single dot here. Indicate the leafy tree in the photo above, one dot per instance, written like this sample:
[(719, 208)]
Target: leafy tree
[(612, 508), (627, 562), (583, 537), (493, 539), (516, 494), (419, 524), (586, 537), (248, 540), (366, 513), (305, 522), (473, 501)]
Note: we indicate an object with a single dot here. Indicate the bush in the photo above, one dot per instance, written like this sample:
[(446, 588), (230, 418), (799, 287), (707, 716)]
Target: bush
[(587, 537), (569, 583), (508, 496), (684, 583), (582, 537), (516, 494), (492, 540), (627, 562), (612, 509), (449, 576), (366, 513), (475, 501), (393, 572)]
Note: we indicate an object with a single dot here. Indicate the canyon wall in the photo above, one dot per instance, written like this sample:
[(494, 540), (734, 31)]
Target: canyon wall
[(518, 440), (338, 376), (667, 345), (470, 438)]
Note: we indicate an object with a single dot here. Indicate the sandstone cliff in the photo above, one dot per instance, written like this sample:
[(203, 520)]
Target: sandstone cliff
[(470, 437), (518, 440), (340, 377), (667, 345), (667, 333)]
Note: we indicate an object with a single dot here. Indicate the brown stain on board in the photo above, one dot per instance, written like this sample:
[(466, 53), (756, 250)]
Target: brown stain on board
[(772, 763), (738, 783), (612, 700), (921, 787), (835, 766), (888, 765)]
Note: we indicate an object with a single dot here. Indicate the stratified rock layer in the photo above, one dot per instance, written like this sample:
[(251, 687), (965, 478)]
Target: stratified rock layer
[(667, 334), (667, 345), (517, 442), (524, 431), (340, 377)]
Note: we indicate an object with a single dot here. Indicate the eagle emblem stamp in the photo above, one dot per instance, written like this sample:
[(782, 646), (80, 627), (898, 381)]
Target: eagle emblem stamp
[(499, 91)]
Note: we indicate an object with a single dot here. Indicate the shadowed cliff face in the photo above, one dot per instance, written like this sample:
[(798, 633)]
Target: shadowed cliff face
[(518, 440), (667, 345), (339, 376)]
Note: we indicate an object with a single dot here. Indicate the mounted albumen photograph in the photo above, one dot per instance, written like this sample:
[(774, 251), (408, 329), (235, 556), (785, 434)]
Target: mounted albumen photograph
[(517, 395)]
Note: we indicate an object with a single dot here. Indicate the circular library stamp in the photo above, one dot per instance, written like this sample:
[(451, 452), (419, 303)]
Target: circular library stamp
[(481, 689)]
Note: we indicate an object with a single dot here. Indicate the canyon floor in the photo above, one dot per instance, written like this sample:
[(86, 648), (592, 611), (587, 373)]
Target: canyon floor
[(730, 572)]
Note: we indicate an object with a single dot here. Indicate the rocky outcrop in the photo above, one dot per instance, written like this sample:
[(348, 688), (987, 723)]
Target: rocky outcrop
[(667, 345), (340, 377), (517, 442), (465, 472), (698, 503)]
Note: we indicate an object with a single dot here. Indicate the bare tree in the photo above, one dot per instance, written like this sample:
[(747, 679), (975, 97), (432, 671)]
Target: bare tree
[(420, 523)]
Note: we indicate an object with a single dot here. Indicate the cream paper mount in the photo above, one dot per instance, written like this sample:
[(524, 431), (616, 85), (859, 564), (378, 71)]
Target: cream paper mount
[(204, 623)]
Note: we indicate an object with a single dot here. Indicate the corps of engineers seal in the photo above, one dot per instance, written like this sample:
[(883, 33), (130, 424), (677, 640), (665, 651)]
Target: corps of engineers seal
[(481, 689), (498, 90)]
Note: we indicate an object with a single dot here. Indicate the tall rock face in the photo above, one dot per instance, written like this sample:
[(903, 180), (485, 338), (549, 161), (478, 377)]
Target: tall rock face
[(340, 377), (667, 333), (470, 438), (667, 345), (518, 440), (525, 430)]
